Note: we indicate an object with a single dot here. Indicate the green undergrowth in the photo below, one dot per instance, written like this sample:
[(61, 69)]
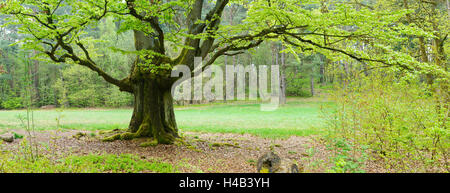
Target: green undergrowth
[(92, 163)]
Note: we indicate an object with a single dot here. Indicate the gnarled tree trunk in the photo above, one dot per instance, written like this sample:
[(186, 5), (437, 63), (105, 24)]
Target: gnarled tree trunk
[(153, 114)]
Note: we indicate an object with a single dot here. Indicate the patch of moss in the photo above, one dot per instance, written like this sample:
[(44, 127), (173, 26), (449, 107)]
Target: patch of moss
[(127, 136), (183, 142), (236, 145), (111, 138), (150, 143), (194, 148), (292, 152), (252, 162), (17, 136), (92, 163), (79, 135), (199, 140), (216, 144), (273, 146)]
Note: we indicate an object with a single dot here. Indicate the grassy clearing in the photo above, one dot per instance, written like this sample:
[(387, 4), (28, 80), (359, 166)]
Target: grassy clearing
[(298, 117)]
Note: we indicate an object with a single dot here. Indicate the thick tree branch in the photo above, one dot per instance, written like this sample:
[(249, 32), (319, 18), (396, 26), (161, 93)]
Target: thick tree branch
[(154, 23), (225, 51), (212, 28), (354, 56), (194, 49), (70, 54), (194, 15)]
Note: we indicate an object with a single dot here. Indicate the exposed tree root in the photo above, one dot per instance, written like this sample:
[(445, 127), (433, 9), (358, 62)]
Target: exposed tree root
[(143, 132), (128, 135), (149, 143)]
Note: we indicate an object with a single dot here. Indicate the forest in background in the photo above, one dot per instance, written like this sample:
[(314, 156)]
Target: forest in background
[(394, 110), (76, 86)]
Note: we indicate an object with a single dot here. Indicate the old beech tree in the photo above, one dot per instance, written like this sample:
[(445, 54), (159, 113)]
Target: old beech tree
[(168, 33)]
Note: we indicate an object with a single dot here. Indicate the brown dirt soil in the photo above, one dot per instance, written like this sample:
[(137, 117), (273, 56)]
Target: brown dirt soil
[(209, 152)]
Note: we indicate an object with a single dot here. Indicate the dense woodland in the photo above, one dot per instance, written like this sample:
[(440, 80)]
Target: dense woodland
[(383, 63), (75, 86)]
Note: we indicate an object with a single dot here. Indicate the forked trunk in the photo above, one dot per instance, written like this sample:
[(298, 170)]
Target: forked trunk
[(153, 114)]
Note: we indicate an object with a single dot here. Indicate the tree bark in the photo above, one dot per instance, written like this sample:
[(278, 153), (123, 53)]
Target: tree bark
[(424, 58), (312, 84), (10, 71), (283, 78), (153, 114), (224, 76), (35, 77)]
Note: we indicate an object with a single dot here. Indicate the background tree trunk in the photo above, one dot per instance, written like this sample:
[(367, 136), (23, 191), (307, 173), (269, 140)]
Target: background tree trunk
[(35, 78), (312, 84), (9, 70), (224, 76), (424, 57), (283, 78)]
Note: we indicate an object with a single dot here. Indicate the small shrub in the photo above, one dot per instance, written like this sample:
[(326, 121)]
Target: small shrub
[(17, 136), (12, 103)]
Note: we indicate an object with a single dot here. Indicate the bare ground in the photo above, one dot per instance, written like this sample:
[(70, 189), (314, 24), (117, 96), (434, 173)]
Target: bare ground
[(209, 152)]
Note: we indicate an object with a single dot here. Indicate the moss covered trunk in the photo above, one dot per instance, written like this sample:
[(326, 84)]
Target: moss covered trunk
[(153, 114)]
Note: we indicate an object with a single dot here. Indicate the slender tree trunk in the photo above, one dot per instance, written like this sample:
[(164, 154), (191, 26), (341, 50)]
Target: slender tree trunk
[(35, 76), (9, 70), (364, 64), (55, 89), (312, 84), (322, 73), (64, 102), (448, 9), (439, 60), (322, 69), (424, 58), (283, 79), (231, 13), (224, 76), (296, 70), (346, 73)]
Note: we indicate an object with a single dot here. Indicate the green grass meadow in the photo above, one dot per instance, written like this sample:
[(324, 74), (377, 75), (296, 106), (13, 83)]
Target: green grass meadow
[(301, 118)]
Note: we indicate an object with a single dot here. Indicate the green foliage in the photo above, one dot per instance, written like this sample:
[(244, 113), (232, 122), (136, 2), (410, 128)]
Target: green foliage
[(12, 103), (124, 163), (69, 85), (373, 32), (84, 88), (298, 87), (115, 98), (400, 123), (113, 163), (27, 161), (80, 86), (17, 136), (344, 159)]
